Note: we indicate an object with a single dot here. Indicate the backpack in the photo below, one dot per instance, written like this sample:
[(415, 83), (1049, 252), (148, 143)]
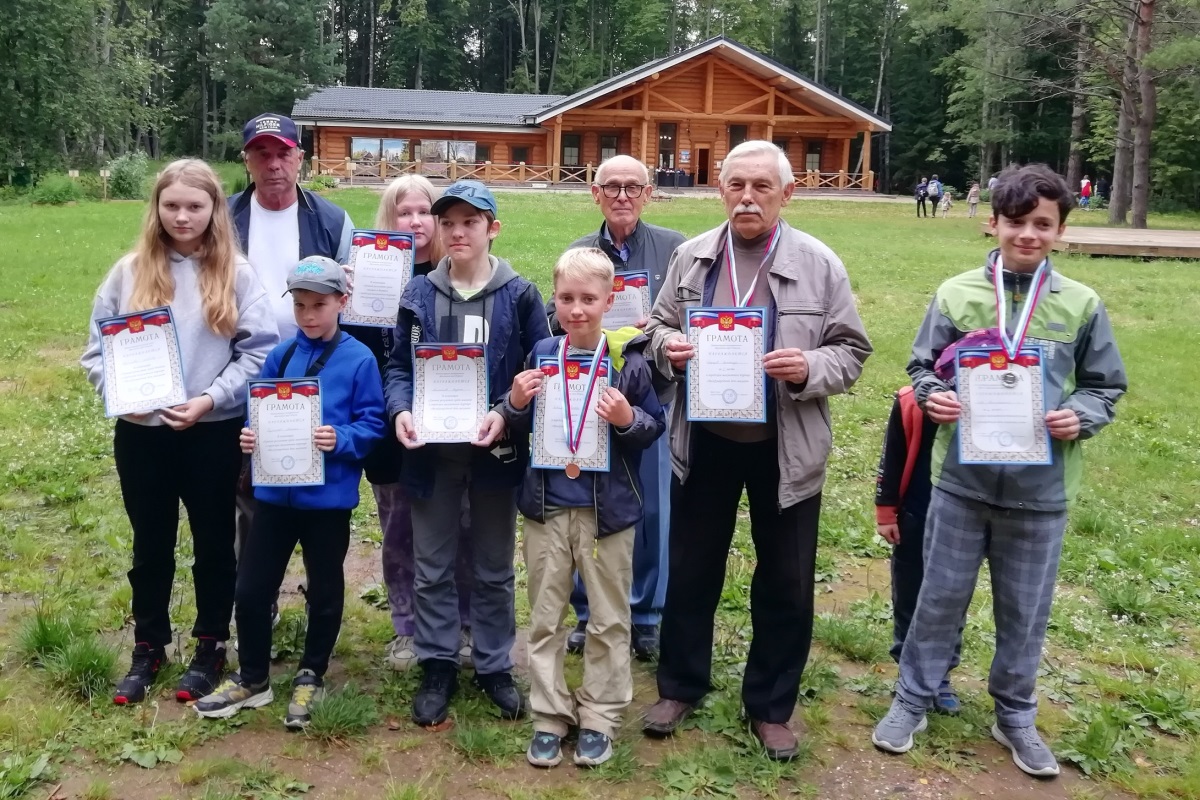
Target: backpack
[(934, 189)]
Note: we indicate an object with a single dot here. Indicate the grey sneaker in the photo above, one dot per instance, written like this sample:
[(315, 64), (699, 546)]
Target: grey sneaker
[(232, 696), (1029, 752), (466, 650), (307, 691), (400, 654), (894, 732)]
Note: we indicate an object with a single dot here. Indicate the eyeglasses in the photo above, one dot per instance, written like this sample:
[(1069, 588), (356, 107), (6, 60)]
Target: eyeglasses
[(631, 191)]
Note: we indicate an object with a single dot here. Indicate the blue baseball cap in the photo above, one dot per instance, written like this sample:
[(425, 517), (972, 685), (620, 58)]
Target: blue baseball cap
[(274, 125), (472, 192), (318, 274)]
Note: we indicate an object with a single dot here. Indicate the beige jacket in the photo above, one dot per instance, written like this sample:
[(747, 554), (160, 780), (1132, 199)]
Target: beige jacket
[(812, 308)]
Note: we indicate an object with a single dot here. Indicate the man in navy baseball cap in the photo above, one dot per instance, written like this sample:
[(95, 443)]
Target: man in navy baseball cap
[(274, 125)]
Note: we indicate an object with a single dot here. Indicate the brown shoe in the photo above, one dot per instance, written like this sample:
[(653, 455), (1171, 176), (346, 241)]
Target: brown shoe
[(665, 716), (777, 739)]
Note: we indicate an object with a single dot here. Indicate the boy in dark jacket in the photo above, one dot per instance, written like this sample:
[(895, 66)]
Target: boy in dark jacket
[(902, 490), (584, 520), (316, 517)]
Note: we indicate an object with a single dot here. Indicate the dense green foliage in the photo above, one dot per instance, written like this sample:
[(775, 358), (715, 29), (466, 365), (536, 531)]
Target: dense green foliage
[(970, 86)]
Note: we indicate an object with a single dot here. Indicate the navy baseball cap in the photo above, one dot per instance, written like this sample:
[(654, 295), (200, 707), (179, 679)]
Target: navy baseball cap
[(318, 274), (472, 192), (274, 125)]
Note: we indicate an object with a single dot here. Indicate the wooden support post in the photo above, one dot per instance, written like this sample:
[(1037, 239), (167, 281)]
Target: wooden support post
[(845, 155), (842, 179), (557, 146), (521, 172), (453, 170), (383, 169), (708, 87), (866, 159), (588, 174), (645, 151), (771, 115)]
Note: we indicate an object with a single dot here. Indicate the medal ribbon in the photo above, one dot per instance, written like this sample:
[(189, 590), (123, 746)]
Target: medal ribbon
[(740, 300), (1012, 344), (574, 432)]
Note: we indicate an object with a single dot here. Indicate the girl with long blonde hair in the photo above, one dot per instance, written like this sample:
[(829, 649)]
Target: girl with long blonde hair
[(186, 258)]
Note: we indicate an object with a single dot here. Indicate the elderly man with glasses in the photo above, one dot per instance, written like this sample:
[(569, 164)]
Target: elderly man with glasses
[(621, 189)]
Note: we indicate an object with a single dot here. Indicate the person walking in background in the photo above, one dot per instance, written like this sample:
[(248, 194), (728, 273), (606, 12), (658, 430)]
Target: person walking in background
[(934, 190), (1085, 194), (921, 194), (947, 202), (973, 200)]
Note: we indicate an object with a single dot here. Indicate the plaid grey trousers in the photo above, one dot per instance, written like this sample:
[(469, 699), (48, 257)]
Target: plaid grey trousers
[(1022, 548)]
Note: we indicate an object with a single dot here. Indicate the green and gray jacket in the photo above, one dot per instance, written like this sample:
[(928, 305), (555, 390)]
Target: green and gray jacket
[(1083, 372)]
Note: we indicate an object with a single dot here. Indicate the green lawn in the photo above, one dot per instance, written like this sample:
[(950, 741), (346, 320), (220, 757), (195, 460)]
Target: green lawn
[(1119, 689)]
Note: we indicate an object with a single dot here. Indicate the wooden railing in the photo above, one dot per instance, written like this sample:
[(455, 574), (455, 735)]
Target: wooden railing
[(835, 180)]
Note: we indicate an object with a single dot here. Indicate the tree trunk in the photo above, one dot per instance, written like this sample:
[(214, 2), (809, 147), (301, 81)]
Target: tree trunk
[(371, 46), (535, 14), (1144, 125), (1078, 111), (418, 77), (519, 9), (558, 24), (1122, 184)]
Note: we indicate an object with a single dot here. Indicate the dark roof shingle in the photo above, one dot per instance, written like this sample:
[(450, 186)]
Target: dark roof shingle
[(420, 105)]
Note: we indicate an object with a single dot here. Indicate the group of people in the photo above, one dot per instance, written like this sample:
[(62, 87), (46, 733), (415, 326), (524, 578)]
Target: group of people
[(604, 542)]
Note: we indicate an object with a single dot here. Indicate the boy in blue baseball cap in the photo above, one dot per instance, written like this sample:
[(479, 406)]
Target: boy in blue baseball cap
[(470, 297)]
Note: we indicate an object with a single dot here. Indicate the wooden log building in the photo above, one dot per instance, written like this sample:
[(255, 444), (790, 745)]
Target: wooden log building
[(679, 115)]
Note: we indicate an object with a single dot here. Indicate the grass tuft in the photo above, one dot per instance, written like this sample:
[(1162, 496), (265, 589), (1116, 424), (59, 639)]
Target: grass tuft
[(855, 639), (343, 714), (487, 743), (42, 636), (1127, 601), (86, 667)]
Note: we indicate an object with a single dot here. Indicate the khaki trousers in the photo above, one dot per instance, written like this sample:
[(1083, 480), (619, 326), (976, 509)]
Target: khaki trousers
[(553, 551)]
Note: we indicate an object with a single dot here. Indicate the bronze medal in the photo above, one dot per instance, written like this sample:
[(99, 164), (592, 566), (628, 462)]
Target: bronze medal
[(572, 470)]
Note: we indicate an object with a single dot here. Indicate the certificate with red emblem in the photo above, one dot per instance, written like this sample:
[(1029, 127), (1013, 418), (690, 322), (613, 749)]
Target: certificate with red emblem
[(631, 300), (142, 368), (284, 413), (1003, 417), (450, 391), (568, 434), (725, 377), (381, 263)]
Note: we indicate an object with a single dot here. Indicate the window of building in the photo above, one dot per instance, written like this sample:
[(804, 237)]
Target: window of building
[(483, 152), (666, 145), (462, 152), (782, 144), (520, 153), (364, 149), (737, 135), (608, 147), (812, 156), (570, 149)]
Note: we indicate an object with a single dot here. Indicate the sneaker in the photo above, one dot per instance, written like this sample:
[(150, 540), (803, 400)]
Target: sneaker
[(947, 699), (1029, 752), (665, 716), (400, 654), (501, 690), (431, 704), (894, 733), (143, 669), (577, 638), (594, 749), (644, 639), (466, 650), (545, 750), (307, 691), (232, 696), (203, 672)]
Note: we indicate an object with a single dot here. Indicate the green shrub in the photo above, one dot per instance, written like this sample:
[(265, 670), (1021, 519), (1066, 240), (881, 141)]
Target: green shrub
[(42, 636), (128, 179), (86, 667), (320, 183), (55, 190)]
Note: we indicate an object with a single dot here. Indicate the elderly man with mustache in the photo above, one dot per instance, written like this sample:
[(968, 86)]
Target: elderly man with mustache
[(815, 347)]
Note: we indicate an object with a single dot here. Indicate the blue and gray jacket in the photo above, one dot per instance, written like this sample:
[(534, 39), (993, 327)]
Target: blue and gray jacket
[(325, 228)]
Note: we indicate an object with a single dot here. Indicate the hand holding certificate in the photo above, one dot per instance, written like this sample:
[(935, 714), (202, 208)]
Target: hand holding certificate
[(568, 433), (631, 300), (725, 377), (142, 367), (450, 391), (285, 414), (382, 264)]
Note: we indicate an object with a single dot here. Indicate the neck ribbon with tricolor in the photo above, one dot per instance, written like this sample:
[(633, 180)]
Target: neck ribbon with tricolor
[(740, 300), (1012, 344), (574, 431)]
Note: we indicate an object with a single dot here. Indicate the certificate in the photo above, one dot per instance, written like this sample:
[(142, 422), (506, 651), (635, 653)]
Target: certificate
[(450, 391), (284, 413), (725, 377), (382, 262), (631, 300), (549, 449), (142, 368), (1003, 407)]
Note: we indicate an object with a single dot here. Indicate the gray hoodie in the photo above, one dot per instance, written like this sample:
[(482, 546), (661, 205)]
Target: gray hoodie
[(462, 319), (212, 364)]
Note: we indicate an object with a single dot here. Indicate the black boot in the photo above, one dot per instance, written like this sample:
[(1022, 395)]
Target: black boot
[(431, 705), (143, 669), (501, 690)]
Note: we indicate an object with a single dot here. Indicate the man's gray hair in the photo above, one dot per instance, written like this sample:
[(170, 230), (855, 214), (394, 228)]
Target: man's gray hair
[(599, 179), (760, 147)]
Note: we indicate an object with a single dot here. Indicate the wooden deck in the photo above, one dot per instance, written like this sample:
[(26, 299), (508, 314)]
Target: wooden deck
[(1126, 242)]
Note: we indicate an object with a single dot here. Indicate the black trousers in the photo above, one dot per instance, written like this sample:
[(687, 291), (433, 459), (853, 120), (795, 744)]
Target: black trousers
[(157, 468), (324, 538), (908, 573), (921, 207), (703, 514)]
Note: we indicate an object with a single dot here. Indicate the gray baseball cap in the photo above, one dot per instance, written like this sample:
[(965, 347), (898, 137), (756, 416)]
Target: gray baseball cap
[(318, 274)]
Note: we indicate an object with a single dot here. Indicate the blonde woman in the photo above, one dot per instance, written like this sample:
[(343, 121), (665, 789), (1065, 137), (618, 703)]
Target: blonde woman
[(406, 206), (187, 258)]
